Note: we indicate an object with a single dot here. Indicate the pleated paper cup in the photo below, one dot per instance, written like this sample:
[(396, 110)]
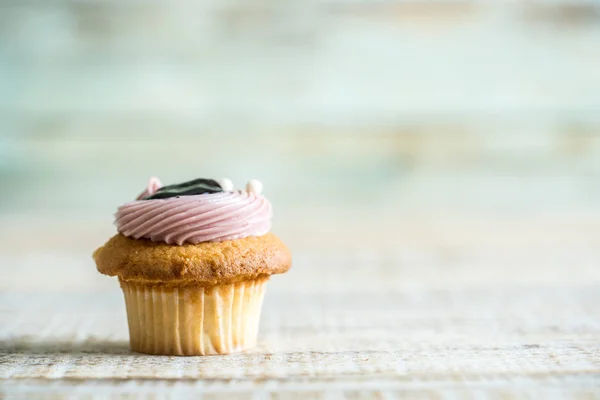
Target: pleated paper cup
[(192, 321)]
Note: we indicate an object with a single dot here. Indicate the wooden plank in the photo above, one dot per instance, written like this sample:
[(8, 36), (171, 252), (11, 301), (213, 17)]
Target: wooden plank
[(506, 335)]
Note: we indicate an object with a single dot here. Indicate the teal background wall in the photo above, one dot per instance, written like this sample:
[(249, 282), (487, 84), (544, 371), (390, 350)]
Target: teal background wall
[(350, 112)]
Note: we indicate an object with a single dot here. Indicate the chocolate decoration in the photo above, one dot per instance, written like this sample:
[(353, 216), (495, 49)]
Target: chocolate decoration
[(190, 188)]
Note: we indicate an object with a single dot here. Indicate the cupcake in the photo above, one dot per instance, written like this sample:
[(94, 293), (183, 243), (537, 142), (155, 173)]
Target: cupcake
[(193, 260)]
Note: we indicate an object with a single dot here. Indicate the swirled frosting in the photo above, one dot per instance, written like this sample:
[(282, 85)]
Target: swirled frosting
[(197, 218)]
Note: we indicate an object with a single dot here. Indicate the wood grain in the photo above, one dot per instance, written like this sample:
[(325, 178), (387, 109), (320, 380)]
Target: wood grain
[(407, 323)]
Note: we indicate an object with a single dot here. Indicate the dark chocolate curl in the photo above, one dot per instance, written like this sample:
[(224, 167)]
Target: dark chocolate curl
[(190, 188)]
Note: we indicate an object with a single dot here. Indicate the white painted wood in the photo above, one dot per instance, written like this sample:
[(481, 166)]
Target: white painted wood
[(473, 319)]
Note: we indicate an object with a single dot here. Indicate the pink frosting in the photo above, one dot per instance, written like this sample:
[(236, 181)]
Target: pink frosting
[(194, 219)]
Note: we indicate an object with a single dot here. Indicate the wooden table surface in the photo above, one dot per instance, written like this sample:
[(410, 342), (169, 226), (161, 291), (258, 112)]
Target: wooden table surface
[(463, 309)]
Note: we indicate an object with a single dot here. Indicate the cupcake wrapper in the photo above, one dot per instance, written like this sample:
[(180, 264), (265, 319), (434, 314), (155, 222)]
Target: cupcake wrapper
[(193, 320)]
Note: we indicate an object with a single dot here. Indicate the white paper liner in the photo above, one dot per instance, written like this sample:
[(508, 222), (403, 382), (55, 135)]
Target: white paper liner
[(193, 320)]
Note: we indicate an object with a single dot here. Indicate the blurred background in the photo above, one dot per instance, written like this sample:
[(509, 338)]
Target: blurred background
[(374, 125)]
